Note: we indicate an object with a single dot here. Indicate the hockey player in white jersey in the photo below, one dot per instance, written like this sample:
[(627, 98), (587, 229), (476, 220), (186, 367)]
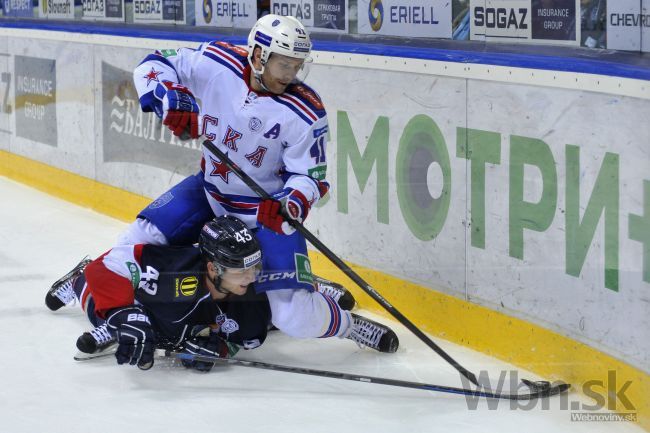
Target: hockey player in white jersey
[(255, 109)]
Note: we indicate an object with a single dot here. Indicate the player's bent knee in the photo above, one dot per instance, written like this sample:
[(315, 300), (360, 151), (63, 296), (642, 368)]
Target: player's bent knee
[(299, 313)]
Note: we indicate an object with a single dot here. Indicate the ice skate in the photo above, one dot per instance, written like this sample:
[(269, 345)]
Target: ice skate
[(367, 333), (95, 343), (340, 294), (61, 293)]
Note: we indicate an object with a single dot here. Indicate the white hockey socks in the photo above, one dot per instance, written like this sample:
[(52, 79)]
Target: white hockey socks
[(304, 314)]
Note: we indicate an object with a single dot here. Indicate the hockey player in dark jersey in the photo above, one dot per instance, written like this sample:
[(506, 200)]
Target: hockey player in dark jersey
[(194, 299)]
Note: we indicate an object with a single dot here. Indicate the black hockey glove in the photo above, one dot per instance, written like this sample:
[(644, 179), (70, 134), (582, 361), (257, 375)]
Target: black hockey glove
[(211, 345), (135, 338)]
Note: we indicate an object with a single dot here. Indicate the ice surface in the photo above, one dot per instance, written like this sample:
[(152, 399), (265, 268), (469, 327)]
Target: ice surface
[(42, 389)]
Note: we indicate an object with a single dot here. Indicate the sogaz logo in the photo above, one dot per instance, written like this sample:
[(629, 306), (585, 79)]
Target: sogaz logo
[(375, 14), (501, 18), (298, 9), (207, 11), (301, 47), (147, 7)]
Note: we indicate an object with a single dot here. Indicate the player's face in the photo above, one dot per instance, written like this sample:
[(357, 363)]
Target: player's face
[(280, 71), (236, 281)]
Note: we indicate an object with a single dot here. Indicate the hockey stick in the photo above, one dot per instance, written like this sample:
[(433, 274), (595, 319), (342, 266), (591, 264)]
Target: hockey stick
[(537, 389), (343, 267)]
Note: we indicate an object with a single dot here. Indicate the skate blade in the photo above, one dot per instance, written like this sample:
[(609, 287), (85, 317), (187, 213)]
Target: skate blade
[(83, 263), (82, 356)]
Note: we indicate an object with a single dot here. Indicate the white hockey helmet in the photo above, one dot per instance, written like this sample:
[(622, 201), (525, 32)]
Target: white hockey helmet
[(278, 34)]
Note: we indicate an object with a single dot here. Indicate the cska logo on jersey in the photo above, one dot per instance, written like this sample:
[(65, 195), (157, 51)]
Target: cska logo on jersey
[(257, 156), (152, 76), (230, 139)]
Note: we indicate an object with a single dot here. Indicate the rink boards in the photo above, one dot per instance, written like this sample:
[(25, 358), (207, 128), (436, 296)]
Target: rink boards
[(500, 207)]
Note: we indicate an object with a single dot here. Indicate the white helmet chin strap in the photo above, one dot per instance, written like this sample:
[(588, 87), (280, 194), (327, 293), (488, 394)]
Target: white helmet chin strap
[(258, 77)]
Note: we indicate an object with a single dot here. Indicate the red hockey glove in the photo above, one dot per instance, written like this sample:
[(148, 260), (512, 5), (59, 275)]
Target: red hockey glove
[(290, 203), (180, 110)]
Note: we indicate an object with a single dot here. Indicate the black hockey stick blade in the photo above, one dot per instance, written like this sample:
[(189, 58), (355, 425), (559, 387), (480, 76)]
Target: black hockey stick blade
[(535, 392)]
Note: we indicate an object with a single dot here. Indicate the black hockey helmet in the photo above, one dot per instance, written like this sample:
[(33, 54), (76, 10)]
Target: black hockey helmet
[(229, 243)]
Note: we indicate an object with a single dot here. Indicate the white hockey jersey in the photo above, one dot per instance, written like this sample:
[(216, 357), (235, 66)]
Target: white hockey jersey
[(279, 140)]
